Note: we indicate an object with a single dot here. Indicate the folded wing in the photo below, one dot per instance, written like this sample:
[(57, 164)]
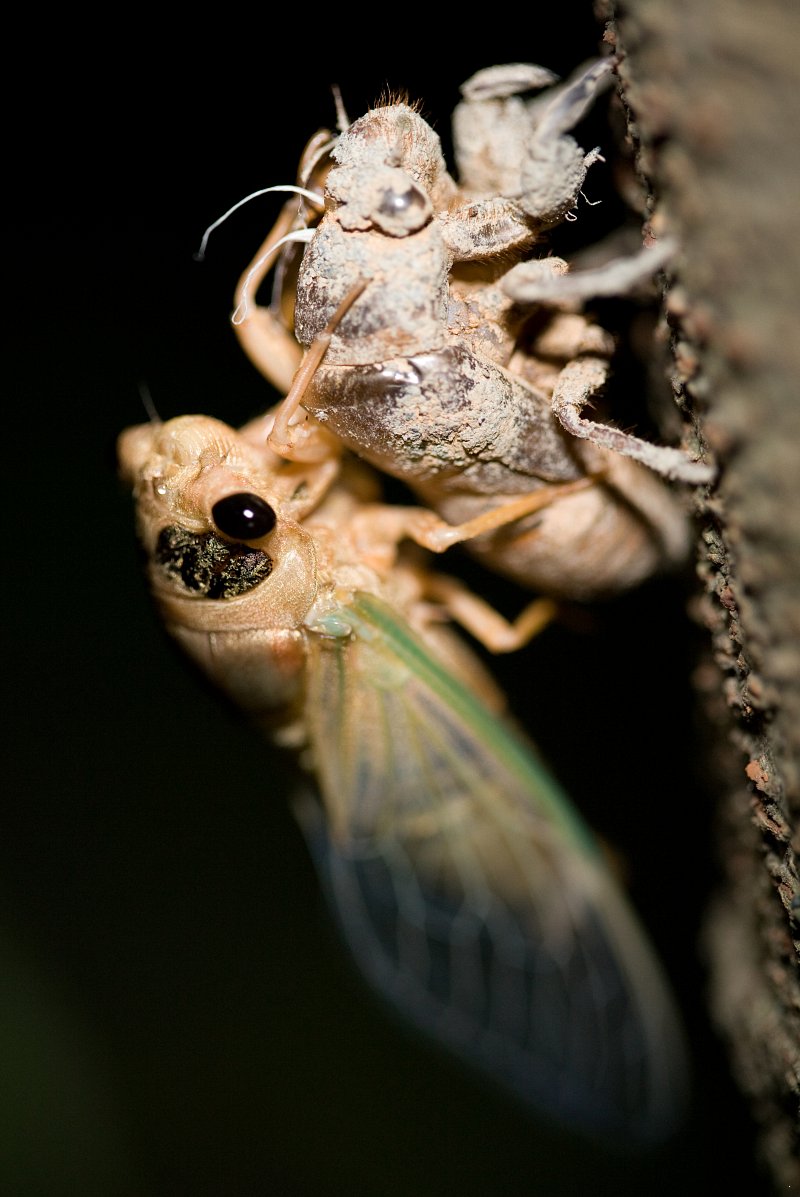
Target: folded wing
[(472, 895)]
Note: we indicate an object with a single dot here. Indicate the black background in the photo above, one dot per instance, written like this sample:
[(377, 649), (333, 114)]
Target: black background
[(179, 1015)]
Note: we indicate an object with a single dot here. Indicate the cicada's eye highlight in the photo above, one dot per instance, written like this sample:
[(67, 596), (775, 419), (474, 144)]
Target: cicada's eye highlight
[(397, 206), (398, 203), (243, 516)]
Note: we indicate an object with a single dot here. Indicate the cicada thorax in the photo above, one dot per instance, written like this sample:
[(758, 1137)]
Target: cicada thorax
[(404, 307), (413, 379)]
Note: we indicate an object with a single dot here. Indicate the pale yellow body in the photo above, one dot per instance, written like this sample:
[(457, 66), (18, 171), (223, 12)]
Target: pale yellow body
[(467, 887)]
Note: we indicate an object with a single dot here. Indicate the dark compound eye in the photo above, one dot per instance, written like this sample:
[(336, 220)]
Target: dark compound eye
[(243, 516)]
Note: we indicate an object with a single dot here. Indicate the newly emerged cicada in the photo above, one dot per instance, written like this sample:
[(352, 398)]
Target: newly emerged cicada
[(466, 885), (449, 348)]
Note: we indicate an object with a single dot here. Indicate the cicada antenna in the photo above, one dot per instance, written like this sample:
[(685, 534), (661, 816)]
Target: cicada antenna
[(243, 308), (313, 196)]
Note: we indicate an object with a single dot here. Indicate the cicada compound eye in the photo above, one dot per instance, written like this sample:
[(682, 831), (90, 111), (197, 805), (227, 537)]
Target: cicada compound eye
[(243, 516), (400, 206)]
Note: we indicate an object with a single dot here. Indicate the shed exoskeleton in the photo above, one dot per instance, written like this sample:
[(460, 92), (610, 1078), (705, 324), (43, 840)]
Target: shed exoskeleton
[(467, 886), (453, 364)]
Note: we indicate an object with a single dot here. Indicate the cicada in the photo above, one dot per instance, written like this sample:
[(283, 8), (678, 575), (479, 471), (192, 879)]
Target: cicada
[(450, 348), (468, 888)]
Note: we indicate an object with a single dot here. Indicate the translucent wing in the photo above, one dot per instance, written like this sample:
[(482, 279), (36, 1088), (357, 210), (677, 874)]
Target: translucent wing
[(472, 895)]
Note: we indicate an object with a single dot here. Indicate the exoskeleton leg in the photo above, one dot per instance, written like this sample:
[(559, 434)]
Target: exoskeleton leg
[(540, 281), (577, 384), (492, 123), (554, 167), (270, 346), (263, 335), (520, 149)]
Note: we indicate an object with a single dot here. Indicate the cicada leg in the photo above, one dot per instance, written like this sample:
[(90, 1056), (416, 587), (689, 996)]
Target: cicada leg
[(576, 384), (548, 281), (429, 530), (432, 532), (508, 146), (296, 436), (270, 346), (265, 337), (488, 626)]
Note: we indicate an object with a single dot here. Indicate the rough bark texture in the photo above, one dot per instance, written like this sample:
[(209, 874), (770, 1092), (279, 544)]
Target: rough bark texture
[(712, 103)]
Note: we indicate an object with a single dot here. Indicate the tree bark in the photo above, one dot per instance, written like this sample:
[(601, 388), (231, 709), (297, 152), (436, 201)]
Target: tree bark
[(712, 105)]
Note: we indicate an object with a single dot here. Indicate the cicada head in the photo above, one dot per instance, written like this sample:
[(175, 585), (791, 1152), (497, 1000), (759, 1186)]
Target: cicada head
[(391, 173), (217, 519), (230, 566)]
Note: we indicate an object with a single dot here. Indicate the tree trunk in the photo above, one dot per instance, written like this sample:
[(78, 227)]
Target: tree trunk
[(712, 105)]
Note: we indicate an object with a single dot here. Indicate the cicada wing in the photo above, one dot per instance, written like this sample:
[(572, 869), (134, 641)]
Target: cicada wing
[(472, 896)]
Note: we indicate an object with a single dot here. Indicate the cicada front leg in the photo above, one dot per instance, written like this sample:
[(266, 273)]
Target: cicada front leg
[(541, 282), (520, 172), (520, 148), (582, 379), (432, 532), (484, 622), (295, 434)]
